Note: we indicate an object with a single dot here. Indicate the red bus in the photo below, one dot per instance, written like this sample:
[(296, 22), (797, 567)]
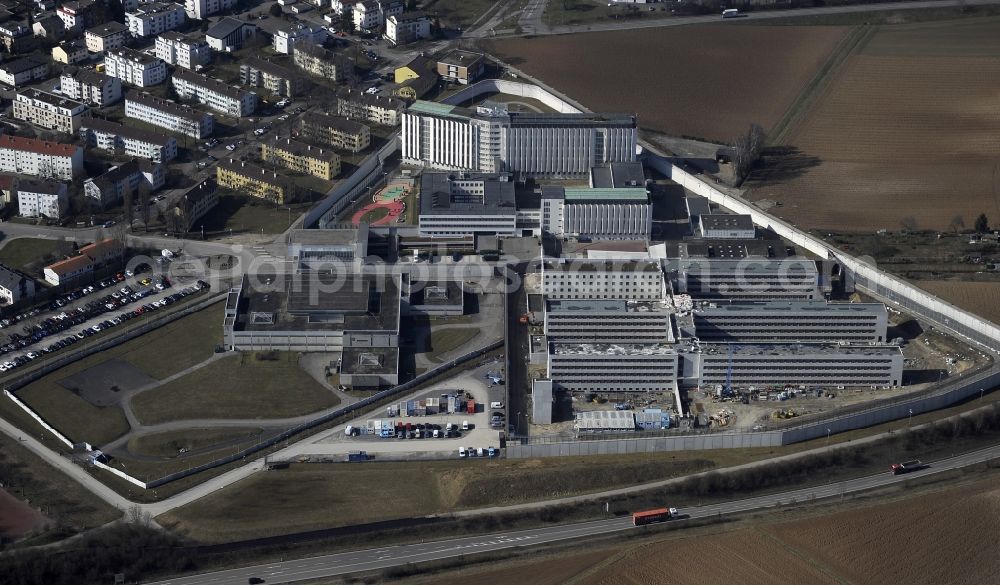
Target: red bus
[(650, 516)]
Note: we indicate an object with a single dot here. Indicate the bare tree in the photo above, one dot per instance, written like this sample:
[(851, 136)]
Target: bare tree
[(909, 223), (747, 149), (957, 223), (144, 205), (64, 247), (127, 204)]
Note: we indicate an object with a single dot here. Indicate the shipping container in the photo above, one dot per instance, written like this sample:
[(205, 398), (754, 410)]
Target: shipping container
[(471, 407)]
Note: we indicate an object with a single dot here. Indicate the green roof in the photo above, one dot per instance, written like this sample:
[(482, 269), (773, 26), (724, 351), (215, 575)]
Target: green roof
[(434, 109), (587, 194)]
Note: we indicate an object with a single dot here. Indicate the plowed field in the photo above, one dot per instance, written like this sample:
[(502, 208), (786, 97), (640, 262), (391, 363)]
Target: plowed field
[(906, 135), (708, 81), (981, 298)]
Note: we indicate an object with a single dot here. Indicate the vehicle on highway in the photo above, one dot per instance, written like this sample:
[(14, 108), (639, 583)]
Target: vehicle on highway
[(906, 467), (651, 516)]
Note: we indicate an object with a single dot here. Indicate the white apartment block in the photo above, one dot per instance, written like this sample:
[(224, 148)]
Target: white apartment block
[(107, 36), (134, 67), (154, 18), (201, 9), (135, 142), (166, 114), (48, 110), (41, 199), (215, 94), (182, 51), (18, 72), (608, 214), (91, 87), (74, 14), (370, 15), (112, 186), (603, 279), (14, 286), (407, 28), (285, 39), (41, 158)]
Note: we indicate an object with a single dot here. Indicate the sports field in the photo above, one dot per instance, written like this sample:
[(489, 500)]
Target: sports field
[(905, 134)]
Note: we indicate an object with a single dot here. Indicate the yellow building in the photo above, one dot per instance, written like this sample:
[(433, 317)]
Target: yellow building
[(250, 179), (416, 78), (301, 157)]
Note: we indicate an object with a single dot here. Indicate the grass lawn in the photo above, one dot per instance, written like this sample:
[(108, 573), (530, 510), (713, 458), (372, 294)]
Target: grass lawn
[(64, 500), (160, 353), (239, 386), (170, 443), (457, 13), (445, 340), (25, 253), (241, 214)]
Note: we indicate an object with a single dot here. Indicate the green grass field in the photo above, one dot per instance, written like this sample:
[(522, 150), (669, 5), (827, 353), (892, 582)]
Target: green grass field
[(159, 353), (236, 387), (27, 253), (242, 214), (170, 443), (445, 340)]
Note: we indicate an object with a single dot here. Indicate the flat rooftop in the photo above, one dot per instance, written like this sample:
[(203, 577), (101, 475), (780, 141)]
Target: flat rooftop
[(604, 306), (798, 349), (370, 360), (436, 293), (328, 237), (732, 249), (596, 195), (816, 307), (746, 265), (723, 221), (617, 175), (314, 301), (589, 265), (438, 195), (612, 349)]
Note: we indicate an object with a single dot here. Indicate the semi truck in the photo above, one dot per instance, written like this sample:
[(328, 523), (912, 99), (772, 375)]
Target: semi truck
[(651, 516), (906, 467)]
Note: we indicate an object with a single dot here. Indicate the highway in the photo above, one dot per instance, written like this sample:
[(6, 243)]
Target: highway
[(381, 558)]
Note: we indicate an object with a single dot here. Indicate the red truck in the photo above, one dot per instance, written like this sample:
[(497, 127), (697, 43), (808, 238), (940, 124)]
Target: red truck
[(651, 516), (470, 406), (906, 467)]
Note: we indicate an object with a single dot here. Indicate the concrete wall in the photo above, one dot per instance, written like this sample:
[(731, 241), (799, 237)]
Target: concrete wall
[(641, 445)]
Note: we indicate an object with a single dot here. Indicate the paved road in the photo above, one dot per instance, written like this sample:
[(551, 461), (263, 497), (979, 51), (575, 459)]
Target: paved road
[(380, 558), (531, 23)]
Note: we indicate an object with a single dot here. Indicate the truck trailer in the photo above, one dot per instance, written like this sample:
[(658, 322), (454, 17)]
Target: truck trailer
[(651, 516), (906, 467)]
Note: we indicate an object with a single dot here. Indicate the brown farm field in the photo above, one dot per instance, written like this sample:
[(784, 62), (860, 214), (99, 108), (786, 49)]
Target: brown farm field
[(937, 536), (980, 298), (707, 81), (905, 134)]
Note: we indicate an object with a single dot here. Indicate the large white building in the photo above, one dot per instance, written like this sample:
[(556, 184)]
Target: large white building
[(461, 204), (48, 110), (167, 114), (75, 14), (491, 139), (613, 214), (14, 286), (607, 321), (135, 142), (407, 27), (42, 198), (90, 87), (111, 187), (183, 51), (154, 18), (17, 72), (603, 279), (370, 15), (134, 67), (213, 93), (201, 9), (726, 226), (285, 39), (746, 279), (787, 322), (41, 158), (106, 36), (606, 367)]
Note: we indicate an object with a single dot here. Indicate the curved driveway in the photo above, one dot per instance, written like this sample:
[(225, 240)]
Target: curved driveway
[(380, 558)]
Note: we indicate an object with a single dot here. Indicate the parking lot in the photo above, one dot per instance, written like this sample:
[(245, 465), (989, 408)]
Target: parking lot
[(336, 444)]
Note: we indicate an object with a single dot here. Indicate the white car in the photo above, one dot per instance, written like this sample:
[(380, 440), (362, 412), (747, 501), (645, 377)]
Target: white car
[(230, 147)]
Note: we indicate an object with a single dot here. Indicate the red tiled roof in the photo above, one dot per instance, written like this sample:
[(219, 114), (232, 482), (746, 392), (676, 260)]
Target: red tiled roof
[(98, 249), (69, 265), (37, 146)]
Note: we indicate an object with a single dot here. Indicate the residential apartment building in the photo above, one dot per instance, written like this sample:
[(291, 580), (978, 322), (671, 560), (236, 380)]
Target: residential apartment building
[(134, 142), (48, 110), (70, 52), (91, 256), (107, 36), (111, 187), (183, 51), (358, 105), (278, 80), (609, 214), (466, 205), (201, 9), (748, 279), (603, 279), (607, 321), (42, 198), (788, 322), (49, 26), (41, 158), (490, 139), (408, 27), (167, 114), (134, 67), (230, 34), (15, 36), (335, 132), (90, 87), (321, 62), (285, 39), (810, 365), (463, 67), (18, 72), (76, 14), (194, 204), (370, 15), (213, 93), (14, 286), (300, 157), (153, 18), (255, 181)]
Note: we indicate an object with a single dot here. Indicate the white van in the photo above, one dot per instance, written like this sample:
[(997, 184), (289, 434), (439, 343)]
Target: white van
[(730, 13), (496, 404), (461, 451), (465, 425)]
